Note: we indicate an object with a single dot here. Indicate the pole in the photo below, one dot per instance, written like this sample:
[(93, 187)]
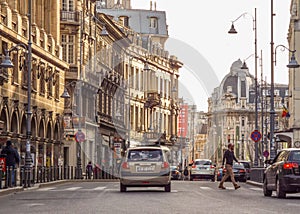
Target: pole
[(28, 159), (272, 112), (256, 92)]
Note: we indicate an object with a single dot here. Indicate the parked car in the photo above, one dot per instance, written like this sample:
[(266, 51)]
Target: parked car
[(145, 166), (239, 172), (283, 173), (202, 169), (247, 165)]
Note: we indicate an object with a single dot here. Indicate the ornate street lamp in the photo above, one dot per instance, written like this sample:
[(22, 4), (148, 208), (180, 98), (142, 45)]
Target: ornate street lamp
[(233, 31)]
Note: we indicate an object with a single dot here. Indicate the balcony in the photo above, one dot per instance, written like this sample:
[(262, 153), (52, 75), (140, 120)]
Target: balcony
[(69, 16), (153, 99)]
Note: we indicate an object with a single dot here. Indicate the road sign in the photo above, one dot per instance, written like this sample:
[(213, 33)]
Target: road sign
[(79, 137), (266, 153), (255, 135)]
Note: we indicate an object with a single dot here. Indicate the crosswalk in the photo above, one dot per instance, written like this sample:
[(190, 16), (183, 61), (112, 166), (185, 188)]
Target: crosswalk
[(104, 188), (99, 188)]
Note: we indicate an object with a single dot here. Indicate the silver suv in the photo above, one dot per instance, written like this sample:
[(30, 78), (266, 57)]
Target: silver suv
[(202, 169), (146, 166)]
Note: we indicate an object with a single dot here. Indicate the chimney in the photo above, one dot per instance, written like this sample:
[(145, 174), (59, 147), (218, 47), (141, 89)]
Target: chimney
[(150, 5)]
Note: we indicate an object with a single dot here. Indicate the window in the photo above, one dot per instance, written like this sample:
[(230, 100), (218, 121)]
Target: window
[(124, 20), (276, 92), (67, 42), (153, 22), (67, 5)]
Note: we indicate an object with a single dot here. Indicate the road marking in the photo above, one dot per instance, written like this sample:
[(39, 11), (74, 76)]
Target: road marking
[(205, 188), (256, 188), (99, 188), (46, 188), (73, 188)]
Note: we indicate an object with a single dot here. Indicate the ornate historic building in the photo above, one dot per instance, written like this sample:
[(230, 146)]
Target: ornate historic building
[(293, 133), (231, 114), (47, 79)]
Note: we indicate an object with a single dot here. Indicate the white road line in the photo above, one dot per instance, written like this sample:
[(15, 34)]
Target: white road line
[(205, 188), (256, 188), (72, 188), (46, 188), (99, 188)]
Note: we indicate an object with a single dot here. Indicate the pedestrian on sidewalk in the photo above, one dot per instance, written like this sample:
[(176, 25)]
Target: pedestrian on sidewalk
[(89, 170), (12, 159), (229, 157)]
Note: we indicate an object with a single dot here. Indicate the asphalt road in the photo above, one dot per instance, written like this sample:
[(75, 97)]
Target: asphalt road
[(185, 197)]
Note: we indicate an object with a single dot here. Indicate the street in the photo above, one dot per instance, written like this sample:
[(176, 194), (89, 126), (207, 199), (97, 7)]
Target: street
[(185, 197)]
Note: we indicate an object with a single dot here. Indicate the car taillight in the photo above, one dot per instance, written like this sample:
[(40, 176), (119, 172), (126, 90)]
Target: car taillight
[(290, 165), (212, 166), (194, 166), (165, 165), (125, 165), (242, 170)]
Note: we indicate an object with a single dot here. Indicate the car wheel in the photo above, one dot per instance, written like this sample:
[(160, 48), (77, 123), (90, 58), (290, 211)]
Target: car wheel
[(168, 188), (265, 188), (279, 191), (213, 179), (191, 178), (122, 188)]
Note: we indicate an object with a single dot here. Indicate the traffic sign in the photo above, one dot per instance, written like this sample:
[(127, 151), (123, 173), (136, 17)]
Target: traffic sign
[(79, 137), (255, 135), (266, 153)]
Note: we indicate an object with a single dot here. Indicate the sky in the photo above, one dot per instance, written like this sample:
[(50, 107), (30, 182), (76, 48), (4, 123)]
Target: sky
[(202, 27)]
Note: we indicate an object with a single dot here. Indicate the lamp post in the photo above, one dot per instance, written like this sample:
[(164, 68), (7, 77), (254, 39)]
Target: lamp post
[(292, 64), (79, 136), (233, 31), (6, 63)]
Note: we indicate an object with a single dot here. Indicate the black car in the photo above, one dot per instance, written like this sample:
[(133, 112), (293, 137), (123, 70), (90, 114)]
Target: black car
[(239, 172), (247, 165), (283, 174), (175, 173)]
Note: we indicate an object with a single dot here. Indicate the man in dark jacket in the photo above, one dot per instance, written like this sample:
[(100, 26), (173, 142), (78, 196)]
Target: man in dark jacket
[(12, 158), (229, 157)]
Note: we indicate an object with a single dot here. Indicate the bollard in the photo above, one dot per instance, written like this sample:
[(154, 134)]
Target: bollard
[(33, 175), (9, 176), (72, 172), (21, 176), (68, 172), (55, 173), (1, 174)]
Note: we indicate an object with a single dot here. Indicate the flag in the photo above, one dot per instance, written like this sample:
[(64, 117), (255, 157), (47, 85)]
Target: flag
[(285, 112)]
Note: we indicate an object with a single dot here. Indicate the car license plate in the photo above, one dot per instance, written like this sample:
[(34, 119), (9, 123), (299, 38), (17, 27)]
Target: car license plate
[(145, 168)]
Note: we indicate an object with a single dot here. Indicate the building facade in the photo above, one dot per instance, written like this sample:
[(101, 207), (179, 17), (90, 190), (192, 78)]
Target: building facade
[(293, 133), (231, 115), (47, 79)]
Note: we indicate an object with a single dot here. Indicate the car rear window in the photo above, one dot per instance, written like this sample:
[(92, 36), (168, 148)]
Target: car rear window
[(295, 156), (202, 162), (246, 165), (145, 155), (238, 166)]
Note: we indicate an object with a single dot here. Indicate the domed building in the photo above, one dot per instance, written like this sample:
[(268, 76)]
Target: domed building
[(231, 114)]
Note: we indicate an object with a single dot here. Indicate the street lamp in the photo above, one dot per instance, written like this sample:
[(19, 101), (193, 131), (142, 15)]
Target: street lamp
[(292, 64), (6, 63), (233, 31), (79, 136)]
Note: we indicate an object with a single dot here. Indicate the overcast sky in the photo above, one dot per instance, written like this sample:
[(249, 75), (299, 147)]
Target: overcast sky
[(203, 25)]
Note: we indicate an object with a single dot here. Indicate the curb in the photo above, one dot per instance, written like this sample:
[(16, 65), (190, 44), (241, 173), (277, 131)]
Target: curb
[(254, 183)]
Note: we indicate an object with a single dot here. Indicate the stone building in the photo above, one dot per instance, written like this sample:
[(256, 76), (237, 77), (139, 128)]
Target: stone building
[(292, 135), (231, 114), (47, 79)]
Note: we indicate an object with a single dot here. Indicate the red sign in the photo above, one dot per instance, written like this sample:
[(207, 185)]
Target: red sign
[(3, 164), (255, 135), (79, 137), (183, 121)]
